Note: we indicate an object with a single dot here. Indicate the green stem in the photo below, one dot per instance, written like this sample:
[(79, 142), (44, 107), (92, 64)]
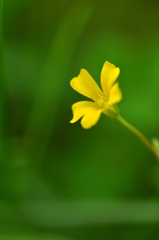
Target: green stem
[(139, 135)]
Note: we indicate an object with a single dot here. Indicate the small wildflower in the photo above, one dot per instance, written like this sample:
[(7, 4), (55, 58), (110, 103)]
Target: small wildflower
[(103, 101)]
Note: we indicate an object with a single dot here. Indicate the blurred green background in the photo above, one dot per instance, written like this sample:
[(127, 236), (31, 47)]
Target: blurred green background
[(57, 180)]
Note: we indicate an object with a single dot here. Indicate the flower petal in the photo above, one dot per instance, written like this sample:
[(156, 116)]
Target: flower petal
[(91, 118), (109, 75), (85, 84), (81, 108), (115, 95)]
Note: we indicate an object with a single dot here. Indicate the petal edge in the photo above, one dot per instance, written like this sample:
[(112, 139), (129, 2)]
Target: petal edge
[(85, 85), (115, 95), (91, 118), (81, 108), (109, 75)]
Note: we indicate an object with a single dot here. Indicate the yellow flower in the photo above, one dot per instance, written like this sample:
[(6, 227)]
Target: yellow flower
[(104, 101)]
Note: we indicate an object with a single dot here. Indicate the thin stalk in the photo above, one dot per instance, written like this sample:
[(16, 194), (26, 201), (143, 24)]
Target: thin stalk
[(143, 139)]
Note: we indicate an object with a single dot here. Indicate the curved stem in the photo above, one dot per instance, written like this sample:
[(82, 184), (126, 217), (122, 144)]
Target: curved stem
[(139, 135)]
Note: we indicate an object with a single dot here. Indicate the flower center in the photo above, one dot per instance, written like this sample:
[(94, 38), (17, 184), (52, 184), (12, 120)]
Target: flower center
[(101, 101)]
